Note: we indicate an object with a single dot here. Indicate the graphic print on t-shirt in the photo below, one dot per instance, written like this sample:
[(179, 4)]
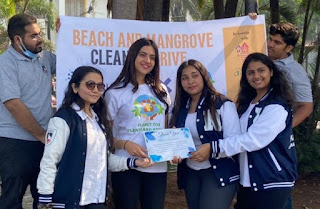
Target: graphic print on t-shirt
[(147, 106)]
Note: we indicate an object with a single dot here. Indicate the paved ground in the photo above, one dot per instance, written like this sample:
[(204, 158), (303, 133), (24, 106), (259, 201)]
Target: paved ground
[(306, 194), (27, 200)]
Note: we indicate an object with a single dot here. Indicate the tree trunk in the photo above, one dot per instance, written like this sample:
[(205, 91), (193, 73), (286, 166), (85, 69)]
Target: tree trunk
[(305, 31), (250, 6), (153, 10), (315, 81), (231, 8), (218, 9), (165, 10), (140, 9), (25, 6), (124, 9), (274, 11)]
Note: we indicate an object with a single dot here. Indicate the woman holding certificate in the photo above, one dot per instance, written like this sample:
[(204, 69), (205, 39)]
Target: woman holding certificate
[(137, 102), (208, 183), (267, 150), (76, 160)]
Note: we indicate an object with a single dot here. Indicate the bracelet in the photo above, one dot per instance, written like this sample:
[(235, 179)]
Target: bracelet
[(124, 145)]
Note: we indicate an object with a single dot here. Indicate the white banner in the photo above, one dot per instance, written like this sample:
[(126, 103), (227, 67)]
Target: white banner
[(220, 45)]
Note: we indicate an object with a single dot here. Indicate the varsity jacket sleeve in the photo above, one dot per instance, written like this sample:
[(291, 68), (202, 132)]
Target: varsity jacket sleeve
[(261, 133), (56, 139), (230, 120), (117, 163)]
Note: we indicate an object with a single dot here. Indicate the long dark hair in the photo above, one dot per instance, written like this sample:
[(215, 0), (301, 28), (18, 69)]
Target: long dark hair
[(128, 73), (209, 93), (100, 107), (278, 83)]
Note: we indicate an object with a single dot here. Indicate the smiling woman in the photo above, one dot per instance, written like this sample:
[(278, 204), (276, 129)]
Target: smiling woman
[(266, 147), (74, 165), (138, 102), (207, 182)]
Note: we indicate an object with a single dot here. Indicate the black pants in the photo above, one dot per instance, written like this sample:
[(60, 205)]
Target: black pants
[(19, 167), (271, 199), (94, 206), (131, 187)]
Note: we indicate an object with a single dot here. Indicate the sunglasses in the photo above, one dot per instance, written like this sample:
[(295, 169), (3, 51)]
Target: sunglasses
[(91, 85)]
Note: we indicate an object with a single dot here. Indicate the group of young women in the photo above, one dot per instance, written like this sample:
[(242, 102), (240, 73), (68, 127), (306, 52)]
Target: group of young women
[(93, 133)]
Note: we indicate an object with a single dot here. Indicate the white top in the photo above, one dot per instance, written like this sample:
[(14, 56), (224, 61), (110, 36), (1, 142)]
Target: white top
[(243, 157), (94, 182), (132, 114), (261, 133), (229, 123), (192, 125), (95, 170)]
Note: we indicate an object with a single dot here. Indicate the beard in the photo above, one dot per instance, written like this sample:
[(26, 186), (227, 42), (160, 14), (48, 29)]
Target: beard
[(34, 49)]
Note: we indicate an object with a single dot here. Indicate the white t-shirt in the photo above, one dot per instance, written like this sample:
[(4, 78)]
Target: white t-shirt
[(132, 113), (229, 119)]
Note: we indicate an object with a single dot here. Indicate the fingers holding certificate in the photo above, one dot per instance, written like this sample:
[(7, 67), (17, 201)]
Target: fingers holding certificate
[(164, 144)]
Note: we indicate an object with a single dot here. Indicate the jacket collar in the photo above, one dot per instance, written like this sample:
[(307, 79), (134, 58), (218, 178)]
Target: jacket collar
[(82, 114), (199, 103)]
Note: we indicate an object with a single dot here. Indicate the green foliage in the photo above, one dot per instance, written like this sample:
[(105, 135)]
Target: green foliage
[(306, 135), (43, 8), (4, 40), (38, 8), (7, 10), (308, 149), (207, 11)]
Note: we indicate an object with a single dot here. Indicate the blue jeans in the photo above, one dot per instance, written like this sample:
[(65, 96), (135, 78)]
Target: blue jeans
[(289, 202), (203, 191)]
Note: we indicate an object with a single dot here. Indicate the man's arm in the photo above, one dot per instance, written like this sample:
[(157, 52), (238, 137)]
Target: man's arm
[(24, 117), (304, 109)]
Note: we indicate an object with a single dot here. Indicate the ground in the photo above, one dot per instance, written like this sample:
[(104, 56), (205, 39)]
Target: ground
[(306, 194)]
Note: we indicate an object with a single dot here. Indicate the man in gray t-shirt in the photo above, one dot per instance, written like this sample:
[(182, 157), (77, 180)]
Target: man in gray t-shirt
[(282, 39), (25, 109)]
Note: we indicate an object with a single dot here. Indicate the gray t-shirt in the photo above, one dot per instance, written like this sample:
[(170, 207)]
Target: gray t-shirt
[(297, 77), (29, 81)]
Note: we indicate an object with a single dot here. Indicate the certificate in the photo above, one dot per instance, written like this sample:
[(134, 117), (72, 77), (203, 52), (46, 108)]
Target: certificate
[(164, 144)]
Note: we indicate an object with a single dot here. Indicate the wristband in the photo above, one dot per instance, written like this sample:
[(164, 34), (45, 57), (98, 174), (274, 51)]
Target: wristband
[(131, 163), (124, 145)]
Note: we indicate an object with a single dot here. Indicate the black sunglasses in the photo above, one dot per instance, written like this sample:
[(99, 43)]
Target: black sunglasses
[(91, 85)]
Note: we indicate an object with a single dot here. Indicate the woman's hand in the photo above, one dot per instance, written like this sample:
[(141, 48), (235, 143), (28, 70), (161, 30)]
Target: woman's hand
[(176, 160), (144, 162), (201, 154), (135, 149)]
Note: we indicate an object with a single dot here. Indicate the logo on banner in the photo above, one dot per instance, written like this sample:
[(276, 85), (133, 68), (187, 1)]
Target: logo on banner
[(147, 106), (243, 50)]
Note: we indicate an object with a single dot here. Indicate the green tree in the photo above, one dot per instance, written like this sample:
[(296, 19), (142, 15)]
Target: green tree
[(39, 8)]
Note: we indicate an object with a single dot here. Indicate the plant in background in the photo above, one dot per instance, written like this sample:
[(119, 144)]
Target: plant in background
[(41, 9)]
